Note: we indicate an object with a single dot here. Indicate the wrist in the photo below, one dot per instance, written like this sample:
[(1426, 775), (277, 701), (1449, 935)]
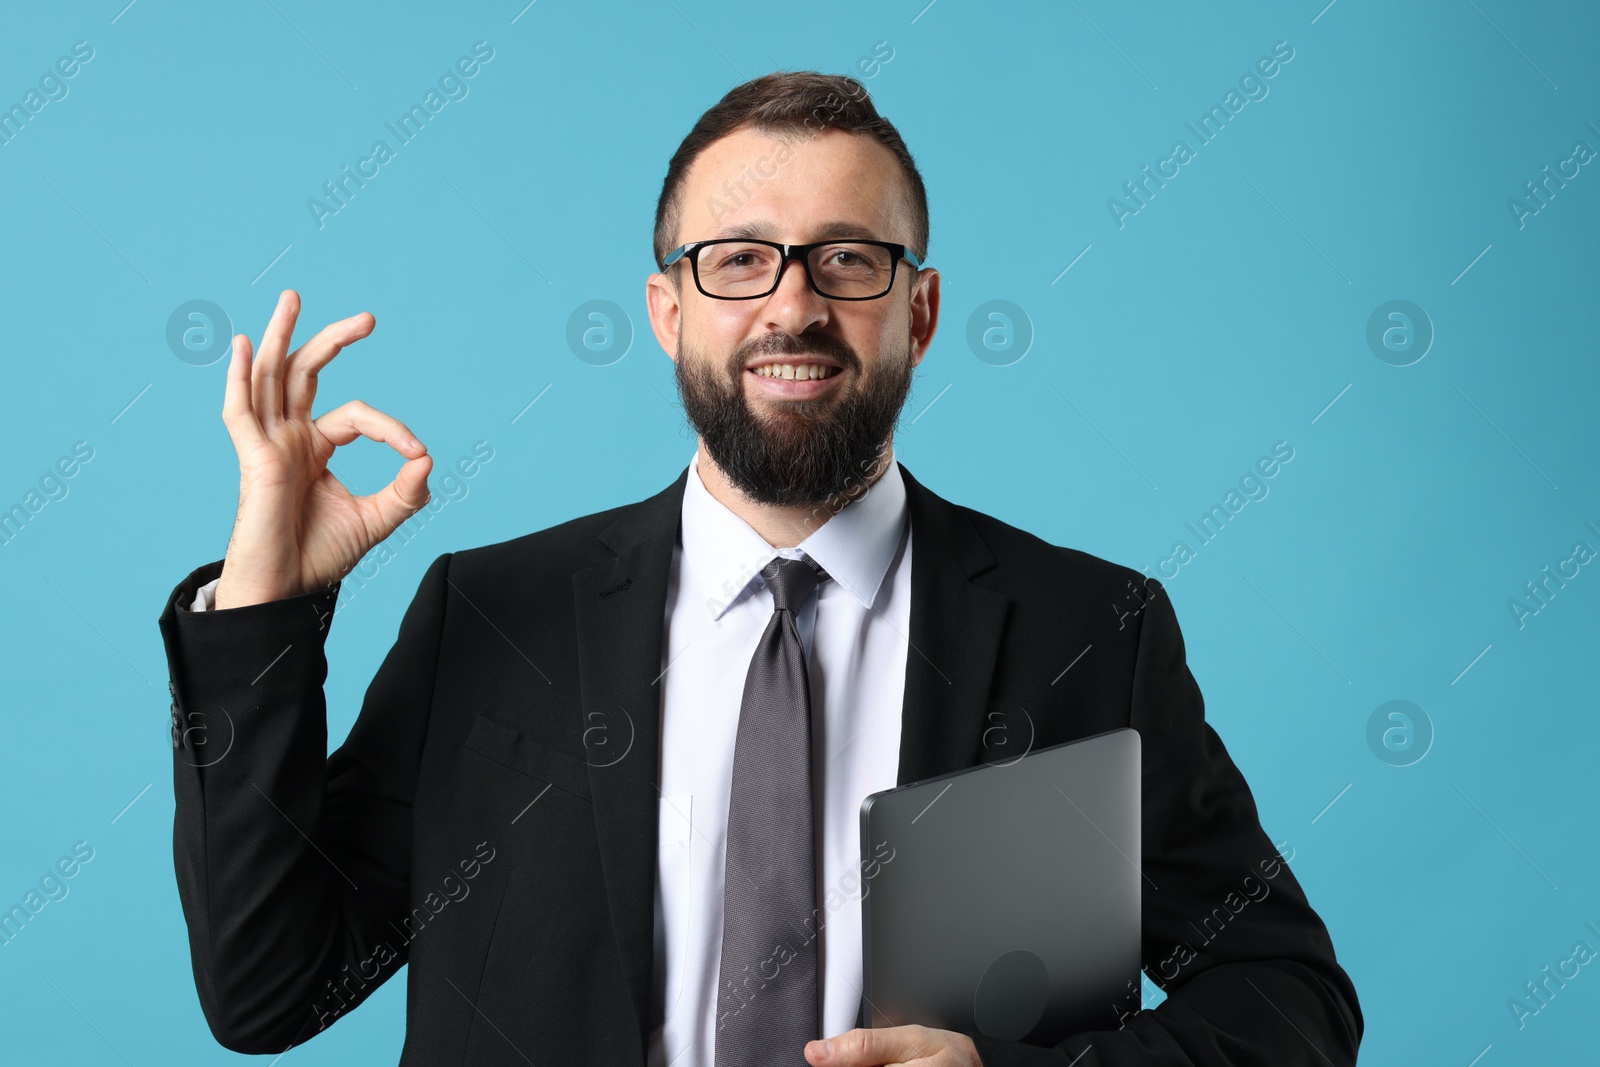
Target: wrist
[(233, 595)]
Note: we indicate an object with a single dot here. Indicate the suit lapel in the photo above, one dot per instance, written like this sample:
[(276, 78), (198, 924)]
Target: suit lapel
[(620, 606), (955, 638)]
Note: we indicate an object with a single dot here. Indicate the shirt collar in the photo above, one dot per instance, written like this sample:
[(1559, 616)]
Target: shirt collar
[(855, 546)]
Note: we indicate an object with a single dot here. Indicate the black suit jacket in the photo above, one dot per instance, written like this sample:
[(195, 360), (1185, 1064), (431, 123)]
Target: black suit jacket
[(491, 816)]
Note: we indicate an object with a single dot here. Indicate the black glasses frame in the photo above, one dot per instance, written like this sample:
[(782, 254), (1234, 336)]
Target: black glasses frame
[(788, 252)]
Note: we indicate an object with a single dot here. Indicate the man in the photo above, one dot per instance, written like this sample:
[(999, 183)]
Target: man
[(602, 792)]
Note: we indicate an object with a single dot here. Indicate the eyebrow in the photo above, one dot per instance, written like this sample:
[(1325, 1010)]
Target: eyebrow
[(835, 230)]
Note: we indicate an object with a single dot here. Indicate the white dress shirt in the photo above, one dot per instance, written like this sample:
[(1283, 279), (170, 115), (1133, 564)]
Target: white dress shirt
[(855, 633)]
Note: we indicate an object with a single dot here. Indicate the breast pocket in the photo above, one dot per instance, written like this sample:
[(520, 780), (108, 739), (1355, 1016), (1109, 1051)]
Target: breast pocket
[(510, 748)]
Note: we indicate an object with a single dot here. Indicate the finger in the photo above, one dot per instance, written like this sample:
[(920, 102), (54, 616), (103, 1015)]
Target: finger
[(356, 418), (237, 414), (300, 386), (267, 379), (401, 498), (863, 1047), (853, 1048)]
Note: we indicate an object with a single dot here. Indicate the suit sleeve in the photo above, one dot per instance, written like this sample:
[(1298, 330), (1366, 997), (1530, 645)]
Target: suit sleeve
[(1228, 933), (291, 863)]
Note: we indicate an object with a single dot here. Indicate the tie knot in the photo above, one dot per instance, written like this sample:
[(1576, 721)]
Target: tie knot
[(791, 581)]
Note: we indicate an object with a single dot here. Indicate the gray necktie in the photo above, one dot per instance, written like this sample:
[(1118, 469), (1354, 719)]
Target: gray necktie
[(767, 985)]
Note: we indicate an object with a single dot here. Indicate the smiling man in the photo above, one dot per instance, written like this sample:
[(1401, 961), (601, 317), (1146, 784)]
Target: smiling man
[(602, 794)]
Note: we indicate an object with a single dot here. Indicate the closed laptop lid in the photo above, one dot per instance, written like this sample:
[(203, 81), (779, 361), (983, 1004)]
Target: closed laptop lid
[(1005, 898)]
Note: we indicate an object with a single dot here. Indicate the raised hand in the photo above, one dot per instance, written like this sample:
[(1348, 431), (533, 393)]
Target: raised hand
[(297, 527)]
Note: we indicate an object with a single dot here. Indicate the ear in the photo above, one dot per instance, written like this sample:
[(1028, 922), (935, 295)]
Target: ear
[(666, 312), (924, 312)]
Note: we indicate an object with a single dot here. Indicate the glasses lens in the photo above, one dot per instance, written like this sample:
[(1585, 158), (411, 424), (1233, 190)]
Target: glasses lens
[(847, 269), (737, 268)]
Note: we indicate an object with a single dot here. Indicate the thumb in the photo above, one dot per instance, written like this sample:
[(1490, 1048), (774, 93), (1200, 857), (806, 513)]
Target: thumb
[(403, 497)]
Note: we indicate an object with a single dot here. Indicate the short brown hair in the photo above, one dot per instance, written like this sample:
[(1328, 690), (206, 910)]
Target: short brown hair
[(800, 103)]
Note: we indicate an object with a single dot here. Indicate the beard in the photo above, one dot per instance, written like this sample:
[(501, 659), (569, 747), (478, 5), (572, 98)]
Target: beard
[(801, 453)]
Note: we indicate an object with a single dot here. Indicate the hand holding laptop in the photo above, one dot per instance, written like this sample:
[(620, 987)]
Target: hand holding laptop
[(894, 1044)]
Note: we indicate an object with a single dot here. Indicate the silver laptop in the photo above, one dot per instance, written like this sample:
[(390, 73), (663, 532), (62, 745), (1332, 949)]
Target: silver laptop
[(1005, 898)]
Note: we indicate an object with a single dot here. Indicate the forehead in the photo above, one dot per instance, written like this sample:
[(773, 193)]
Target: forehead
[(795, 188)]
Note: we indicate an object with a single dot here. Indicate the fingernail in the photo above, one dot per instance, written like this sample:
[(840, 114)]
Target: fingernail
[(413, 442), (822, 1050)]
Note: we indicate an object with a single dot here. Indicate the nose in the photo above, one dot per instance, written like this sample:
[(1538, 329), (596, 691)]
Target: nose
[(794, 306)]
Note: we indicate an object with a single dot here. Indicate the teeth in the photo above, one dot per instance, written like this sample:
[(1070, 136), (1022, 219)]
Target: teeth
[(790, 371)]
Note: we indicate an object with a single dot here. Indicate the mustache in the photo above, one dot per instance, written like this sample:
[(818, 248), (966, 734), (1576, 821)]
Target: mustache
[(788, 345)]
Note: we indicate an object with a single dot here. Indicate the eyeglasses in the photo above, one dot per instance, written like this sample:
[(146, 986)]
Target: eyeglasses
[(745, 269)]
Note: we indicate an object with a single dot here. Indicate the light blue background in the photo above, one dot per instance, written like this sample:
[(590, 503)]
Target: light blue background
[(1227, 315)]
